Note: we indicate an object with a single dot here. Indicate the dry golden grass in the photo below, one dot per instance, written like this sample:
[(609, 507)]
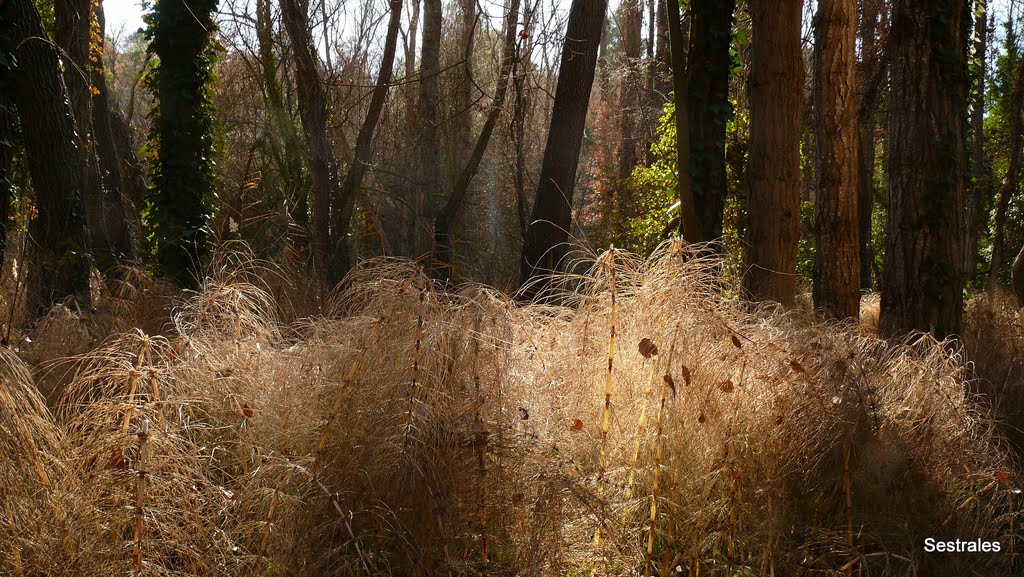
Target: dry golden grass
[(411, 431)]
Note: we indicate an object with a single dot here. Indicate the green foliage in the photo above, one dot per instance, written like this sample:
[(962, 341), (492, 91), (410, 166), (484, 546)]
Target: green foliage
[(181, 140), (656, 187)]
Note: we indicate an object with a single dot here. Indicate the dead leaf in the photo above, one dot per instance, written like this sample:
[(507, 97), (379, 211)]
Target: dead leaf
[(523, 413), (736, 342), (701, 418), (778, 420), (726, 386), (647, 348), (577, 425), (247, 411), (686, 375), (670, 383), (796, 366)]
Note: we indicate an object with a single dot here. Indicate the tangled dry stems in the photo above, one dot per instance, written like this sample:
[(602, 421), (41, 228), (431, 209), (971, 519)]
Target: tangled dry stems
[(415, 431)]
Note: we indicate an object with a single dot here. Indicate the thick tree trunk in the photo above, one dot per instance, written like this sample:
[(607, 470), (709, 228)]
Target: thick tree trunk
[(313, 113), (922, 283), (709, 108), (72, 33), (428, 173), (979, 182), (868, 66), (1012, 182), (689, 222), (444, 245), (774, 167), (836, 257), (521, 104), (548, 230), (59, 239), (461, 123), (363, 152)]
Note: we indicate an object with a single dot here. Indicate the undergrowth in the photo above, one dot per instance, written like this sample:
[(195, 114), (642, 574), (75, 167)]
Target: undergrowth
[(637, 421)]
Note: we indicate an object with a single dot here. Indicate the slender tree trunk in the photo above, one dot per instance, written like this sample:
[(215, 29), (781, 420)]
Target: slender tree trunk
[(979, 182), (662, 50), (289, 142), (6, 159), (869, 64), (520, 74), (462, 117), (123, 226), (59, 239), (428, 179), (313, 113), (689, 222), (922, 282), (631, 18), (1012, 182), (363, 153), (548, 230), (836, 257), (444, 245), (709, 108), (774, 166)]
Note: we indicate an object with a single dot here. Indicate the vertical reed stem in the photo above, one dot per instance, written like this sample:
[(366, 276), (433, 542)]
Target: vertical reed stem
[(606, 413), (140, 498)]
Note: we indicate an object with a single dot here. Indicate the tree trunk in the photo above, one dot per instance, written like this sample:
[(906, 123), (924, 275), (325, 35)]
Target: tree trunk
[(6, 159), (869, 65), (836, 257), (72, 33), (428, 173), (312, 100), (462, 116), (979, 182), (122, 224), (290, 147), (689, 222), (774, 167), (59, 239), (548, 230), (444, 245), (520, 74), (631, 18), (363, 152), (922, 282), (1012, 182), (709, 108), (662, 51)]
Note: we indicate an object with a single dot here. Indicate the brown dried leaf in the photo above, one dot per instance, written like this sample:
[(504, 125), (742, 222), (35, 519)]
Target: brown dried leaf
[(648, 348)]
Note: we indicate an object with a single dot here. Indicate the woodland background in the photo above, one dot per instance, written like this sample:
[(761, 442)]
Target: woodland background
[(526, 287)]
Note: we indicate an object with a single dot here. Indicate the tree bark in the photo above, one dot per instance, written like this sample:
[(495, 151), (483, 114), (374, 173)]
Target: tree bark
[(6, 159), (709, 108), (72, 33), (428, 173), (444, 245), (836, 289), (774, 166), (689, 222), (59, 239), (922, 282), (363, 153), (979, 182), (631, 18), (548, 230), (121, 221), (312, 100), (869, 65)]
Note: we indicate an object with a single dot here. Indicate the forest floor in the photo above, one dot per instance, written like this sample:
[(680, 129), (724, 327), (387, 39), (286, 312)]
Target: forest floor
[(647, 424)]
